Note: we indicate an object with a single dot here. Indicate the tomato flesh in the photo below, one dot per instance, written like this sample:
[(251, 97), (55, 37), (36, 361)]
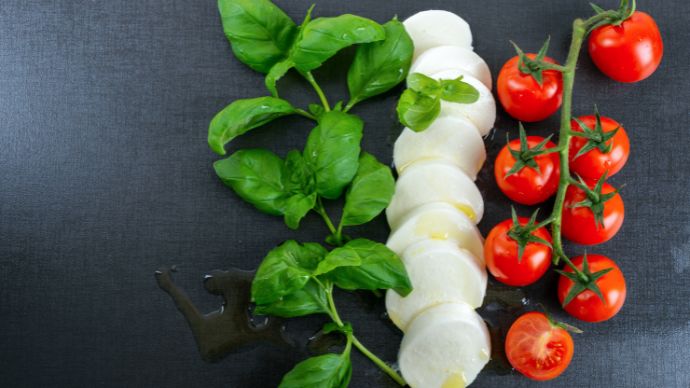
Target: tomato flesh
[(537, 349), (630, 52), (587, 306)]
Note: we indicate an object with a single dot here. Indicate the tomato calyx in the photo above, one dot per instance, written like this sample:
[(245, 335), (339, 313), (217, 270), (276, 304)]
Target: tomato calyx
[(615, 17), (583, 280), (524, 157), (596, 137), (524, 234), (535, 66), (595, 200)]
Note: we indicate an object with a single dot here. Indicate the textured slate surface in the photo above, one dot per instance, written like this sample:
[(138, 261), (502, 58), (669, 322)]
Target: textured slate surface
[(105, 175)]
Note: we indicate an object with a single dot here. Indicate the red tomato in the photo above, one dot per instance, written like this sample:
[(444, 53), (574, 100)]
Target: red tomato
[(587, 306), (595, 163), (501, 254), (527, 186), (579, 224), (521, 95), (630, 52), (537, 348)]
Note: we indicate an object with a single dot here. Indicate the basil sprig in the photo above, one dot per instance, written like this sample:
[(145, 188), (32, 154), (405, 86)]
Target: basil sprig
[(299, 279), (420, 104)]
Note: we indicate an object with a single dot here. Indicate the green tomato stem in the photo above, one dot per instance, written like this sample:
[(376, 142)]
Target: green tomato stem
[(312, 81), (580, 30), (380, 363)]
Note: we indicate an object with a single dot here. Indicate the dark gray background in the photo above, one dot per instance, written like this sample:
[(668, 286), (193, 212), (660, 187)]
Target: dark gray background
[(105, 175)]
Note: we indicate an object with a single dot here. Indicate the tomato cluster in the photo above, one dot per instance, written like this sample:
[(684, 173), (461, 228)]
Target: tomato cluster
[(626, 46)]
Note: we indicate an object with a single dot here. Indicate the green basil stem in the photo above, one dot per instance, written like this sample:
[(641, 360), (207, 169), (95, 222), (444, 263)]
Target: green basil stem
[(321, 210), (380, 363), (306, 114), (312, 81), (580, 30)]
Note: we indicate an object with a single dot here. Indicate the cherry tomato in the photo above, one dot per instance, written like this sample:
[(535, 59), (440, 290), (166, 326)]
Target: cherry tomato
[(579, 224), (537, 348), (501, 254), (594, 163), (528, 186), (587, 306), (630, 52), (521, 95)]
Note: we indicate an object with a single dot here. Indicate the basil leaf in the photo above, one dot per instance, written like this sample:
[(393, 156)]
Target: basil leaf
[(417, 111), (256, 175), (260, 33), (423, 84), (309, 300), (317, 110), (369, 193), (244, 115), (333, 150), (298, 174), (297, 207), (286, 269), (332, 327), (322, 38), (381, 268), (339, 257), (277, 72), (326, 371), (455, 90), (379, 66)]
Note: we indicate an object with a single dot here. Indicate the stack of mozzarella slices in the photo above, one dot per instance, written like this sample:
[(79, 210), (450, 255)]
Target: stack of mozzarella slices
[(434, 212)]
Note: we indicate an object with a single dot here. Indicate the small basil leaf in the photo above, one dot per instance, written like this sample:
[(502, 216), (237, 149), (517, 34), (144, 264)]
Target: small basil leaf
[(333, 149), (417, 111), (286, 269), (369, 193), (379, 66), (242, 116), (276, 73), (260, 33), (381, 268), (455, 90), (298, 174), (423, 84), (322, 38), (339, 257), (326, 371), (316, 109), (309, 300), (297, 207), (256, 175)]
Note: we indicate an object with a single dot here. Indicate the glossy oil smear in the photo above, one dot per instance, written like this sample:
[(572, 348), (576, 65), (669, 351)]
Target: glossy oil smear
[(230, 328)]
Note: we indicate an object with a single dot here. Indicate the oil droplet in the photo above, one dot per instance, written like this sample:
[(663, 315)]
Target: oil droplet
[(230, 328)]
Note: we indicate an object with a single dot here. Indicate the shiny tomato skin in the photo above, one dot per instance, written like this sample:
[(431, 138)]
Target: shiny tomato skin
[(521, 95), (595, 163), (528, 187), (537, 349), (630, 52), (501, 255), (587, 306), (578, 224)]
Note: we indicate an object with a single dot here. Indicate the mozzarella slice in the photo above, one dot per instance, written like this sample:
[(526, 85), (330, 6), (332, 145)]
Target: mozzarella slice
[(434, 181), (482, 113), (440, 272), (445, 346), (437, 221), (450, 138), (434, 28), (444, 58)]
